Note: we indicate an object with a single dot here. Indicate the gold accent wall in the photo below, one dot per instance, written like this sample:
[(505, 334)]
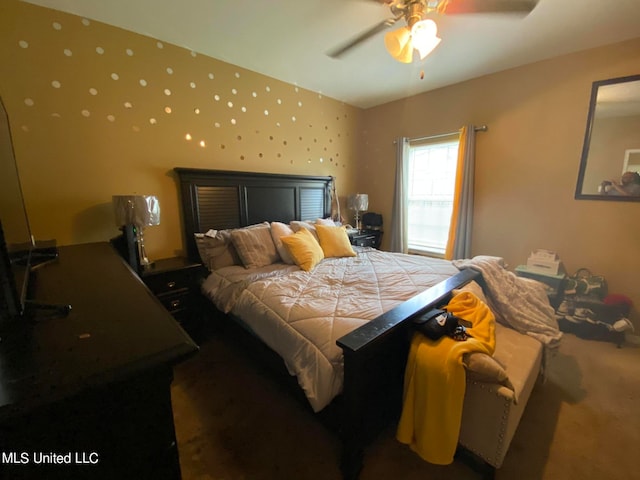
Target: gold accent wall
[(96, 111)]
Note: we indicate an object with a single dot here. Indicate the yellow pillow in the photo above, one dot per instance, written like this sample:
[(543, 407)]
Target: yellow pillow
[(304, 249), (334, 241)]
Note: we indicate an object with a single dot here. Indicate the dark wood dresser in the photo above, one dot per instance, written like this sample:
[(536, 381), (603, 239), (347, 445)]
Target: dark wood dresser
[(87, 395)]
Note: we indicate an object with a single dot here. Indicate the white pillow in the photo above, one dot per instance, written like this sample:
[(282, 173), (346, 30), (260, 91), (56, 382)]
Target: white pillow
[(297, 225), (278, 230), (326, 221)]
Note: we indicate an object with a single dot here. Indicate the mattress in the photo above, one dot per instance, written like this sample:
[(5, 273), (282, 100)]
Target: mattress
[(300, 315)]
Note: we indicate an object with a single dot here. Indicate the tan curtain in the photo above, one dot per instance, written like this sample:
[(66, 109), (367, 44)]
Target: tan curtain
[(399, 213), (459, 242)]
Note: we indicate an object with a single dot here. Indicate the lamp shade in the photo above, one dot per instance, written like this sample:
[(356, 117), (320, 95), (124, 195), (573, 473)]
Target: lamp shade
[(424, 37), (398, 44), (138, 210), (358, 202)]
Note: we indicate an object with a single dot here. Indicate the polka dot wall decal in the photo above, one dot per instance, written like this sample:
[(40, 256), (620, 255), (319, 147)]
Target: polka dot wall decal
[(237, 75), (234, 91), (230, 104), (128, 105), (167, 92), (86, 22), (192, 84), (99, 50), (187, 136), (211, 77), (216, 98), (170, 70), (299, 104), (202, 143), (23, 44), (254, 94), (277, 124), (266, 112), (56, 84), (296, 89), (244, 109), (29, 102), (167, 109), (67, 52), (196, 111), (160, 45), (93, 91), (268, 88), (129, 52), (233, 121), (115, 76), (57, 26), (111, 118), (143, 82), (85, 113), (153, 121), (279, 102), (293, 119), (217, 124)]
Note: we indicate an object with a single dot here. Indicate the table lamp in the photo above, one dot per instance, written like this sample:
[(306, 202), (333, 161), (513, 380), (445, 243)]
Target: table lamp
[(138, 211), (358, 202)]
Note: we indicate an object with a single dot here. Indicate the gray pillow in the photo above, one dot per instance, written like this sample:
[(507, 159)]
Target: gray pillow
[(216, 250), (255, 246)]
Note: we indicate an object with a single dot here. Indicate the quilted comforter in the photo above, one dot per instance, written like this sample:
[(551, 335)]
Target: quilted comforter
[(300, 315)]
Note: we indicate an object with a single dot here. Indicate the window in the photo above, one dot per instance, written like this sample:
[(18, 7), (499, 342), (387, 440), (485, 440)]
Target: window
[(431, 184)]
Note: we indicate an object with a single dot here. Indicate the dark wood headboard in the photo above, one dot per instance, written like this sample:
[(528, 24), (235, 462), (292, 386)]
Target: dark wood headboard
[(221, 199)]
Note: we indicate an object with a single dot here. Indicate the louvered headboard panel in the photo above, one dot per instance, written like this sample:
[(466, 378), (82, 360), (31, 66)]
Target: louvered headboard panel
[(221, 199)]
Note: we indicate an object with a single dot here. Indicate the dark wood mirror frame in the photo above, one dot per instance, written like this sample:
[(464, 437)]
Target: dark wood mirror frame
[(608, 130)]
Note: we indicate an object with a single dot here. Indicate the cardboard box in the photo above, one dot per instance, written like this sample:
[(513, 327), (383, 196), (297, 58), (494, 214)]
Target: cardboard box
[(544, 261)]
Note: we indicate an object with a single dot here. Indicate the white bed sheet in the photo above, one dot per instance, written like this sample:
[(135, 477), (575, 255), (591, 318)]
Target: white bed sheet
[(300, 315)]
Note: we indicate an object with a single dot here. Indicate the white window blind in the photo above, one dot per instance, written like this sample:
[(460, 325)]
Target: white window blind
[(431, 173)]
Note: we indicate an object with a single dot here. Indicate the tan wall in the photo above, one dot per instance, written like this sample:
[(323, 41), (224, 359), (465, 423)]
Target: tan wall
[(526, 163), (65, 82)]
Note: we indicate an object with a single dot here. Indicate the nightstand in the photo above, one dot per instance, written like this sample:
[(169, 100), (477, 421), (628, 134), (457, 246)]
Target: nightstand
[(366, 238), (175, 281)]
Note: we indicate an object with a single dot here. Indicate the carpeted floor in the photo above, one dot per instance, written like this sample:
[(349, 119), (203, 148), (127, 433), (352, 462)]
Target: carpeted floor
[(234, 422)]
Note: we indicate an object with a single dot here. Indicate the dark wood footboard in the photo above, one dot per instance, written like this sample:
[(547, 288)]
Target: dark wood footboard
[(375, 356)]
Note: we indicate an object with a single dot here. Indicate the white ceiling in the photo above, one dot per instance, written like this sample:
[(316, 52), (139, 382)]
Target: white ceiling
[(288, 39)]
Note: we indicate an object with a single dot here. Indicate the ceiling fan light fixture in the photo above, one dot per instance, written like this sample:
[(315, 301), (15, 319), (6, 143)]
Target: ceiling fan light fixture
[(424, 37), (397, 42)]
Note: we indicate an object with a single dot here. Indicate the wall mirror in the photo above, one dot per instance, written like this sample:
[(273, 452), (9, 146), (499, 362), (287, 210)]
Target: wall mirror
[(610, 164)]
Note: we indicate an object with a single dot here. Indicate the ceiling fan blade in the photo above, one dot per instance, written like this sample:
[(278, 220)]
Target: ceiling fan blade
[(460, 7), (337, 52)]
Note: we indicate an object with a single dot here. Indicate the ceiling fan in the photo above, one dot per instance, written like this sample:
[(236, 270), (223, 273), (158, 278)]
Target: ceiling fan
[(420, 33)]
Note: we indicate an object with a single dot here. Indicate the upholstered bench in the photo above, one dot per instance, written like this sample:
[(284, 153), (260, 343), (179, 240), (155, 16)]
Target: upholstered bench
[(492, 411)]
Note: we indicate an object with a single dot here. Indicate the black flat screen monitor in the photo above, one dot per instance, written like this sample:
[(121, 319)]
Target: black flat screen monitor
[(16, 241)]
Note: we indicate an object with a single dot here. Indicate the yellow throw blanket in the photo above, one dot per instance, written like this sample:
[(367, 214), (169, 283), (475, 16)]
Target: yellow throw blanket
[(435, 382)]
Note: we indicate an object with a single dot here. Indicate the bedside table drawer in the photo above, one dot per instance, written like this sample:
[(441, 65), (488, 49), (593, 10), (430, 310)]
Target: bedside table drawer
[(167, 283), (176, 302)]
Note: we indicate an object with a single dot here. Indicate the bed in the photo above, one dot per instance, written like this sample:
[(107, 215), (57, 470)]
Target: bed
[(367, 346)]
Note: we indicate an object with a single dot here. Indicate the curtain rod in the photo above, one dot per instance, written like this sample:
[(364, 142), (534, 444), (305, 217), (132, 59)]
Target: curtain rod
[(481, 128)]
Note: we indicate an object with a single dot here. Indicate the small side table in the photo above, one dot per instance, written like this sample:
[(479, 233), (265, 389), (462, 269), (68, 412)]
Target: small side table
[(366, 238), (176, 281)]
